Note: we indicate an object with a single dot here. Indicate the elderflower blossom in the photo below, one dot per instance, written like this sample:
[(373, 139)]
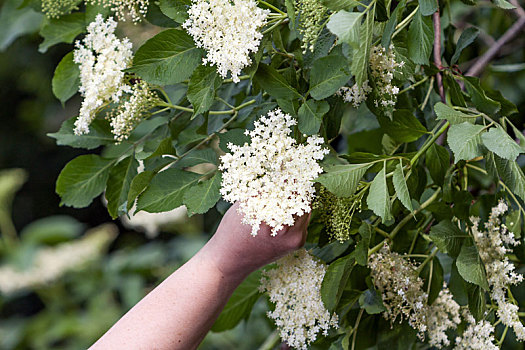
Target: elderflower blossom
[(477, 336), (295, 289), (228, 31), (401, 289), (312, 16), (382, 67), (132, 111), (443, 314), (57, 8), (355, 94), (102, 58), (135, 9), (500, 271), (272, 176), (50, 263)]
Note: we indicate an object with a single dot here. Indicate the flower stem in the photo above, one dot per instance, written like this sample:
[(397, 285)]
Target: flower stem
[(272, 7)]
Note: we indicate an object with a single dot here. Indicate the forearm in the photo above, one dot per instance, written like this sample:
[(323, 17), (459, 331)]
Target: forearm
[(179, 312)]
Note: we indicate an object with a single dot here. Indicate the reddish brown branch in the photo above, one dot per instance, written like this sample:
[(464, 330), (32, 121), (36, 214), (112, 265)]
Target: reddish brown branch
[(488, 56), (437, 52)]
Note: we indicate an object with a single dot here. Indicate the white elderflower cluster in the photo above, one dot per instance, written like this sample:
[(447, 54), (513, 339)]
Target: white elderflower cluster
[(443, 314), (135, 9), (396, 278), (312, 18), (124, 118), (228, 31), (272, 177), (500, 271), (382, 67), (355, 94), (102, 58), (295, 289), (50, 263), (477, 336)]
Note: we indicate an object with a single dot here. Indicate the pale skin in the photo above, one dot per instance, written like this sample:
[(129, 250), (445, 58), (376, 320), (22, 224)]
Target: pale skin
[(179, 312)]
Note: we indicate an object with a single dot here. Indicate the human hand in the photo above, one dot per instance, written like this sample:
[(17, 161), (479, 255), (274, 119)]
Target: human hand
[(237, 253)]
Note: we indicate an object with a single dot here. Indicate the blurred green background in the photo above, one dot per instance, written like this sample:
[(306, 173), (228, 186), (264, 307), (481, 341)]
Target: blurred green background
[(66, 275)]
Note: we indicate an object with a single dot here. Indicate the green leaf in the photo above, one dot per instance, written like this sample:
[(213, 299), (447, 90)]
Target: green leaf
[(274, 83), (16, 20), (240, 304), (138, 185), (503, 4), (519, 135), (507, 108), (511, 174), (203, 196), (513, 222), (448, 237), (310, 116), (66, 78), (202, 88), (420, 39), (455, 91), (335, 280), (166, 190), (342, 180), (428, 7), (378, 199), (470, 266), (336, 5), (400, 185), (360, 56), (175, 9), (361, 248), (445, 112), (328, 75), (198, 156), (52, 230), (404, 126), (99, 134), (465, 141), (346, 26), (62, 30), (467, 37), (391, 24), (118, 185), (371, 301), (498, 141), (82, 179), (476, 301), (478, 96), (167, 58), (437, 160)]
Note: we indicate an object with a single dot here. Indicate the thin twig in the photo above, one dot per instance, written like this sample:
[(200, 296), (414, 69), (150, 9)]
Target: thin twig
[(437, 51), (488, 56)]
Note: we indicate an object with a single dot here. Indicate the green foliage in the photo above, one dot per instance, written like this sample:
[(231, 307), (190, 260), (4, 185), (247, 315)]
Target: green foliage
[(63, 30), (66, 78), (420, 38), (83, 179), (167, 58), (389, 176)]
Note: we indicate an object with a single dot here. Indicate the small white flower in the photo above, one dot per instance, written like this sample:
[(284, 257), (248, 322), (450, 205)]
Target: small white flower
[(228, 31)]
